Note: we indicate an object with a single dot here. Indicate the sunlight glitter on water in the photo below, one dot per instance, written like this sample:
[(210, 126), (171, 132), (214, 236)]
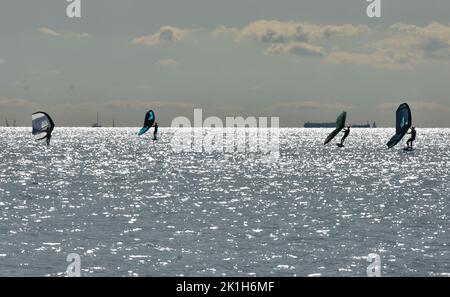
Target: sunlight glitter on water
[(132, 206)]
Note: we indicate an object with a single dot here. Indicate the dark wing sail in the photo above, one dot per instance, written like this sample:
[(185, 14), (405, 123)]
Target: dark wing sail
[(340, 124), (148, 122), (42, 124), (403, 123)]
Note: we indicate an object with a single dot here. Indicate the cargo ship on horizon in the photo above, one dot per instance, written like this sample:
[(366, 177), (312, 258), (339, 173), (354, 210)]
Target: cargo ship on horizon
[(333, 125)]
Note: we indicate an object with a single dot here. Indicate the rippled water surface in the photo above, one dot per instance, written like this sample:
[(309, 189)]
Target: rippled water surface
[(133, 207)]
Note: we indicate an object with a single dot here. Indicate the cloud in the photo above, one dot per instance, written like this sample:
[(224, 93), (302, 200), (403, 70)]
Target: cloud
[(400, 47), (428, 42), (166, 34), (272, 31), (167, 63), (383, 59), (435, 48), (297, 48), (344, 30), (6, 102), (290, 37), (434, 30), (2, 61), (49, 31), (63, 34), (225, 31), (416, 106), (405, 47)]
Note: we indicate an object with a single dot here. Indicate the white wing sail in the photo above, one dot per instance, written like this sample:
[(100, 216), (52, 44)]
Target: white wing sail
[(42, 125)]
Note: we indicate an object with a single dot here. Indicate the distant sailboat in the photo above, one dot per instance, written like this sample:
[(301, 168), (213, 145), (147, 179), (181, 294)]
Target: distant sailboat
[(361, 125), (97, 124)]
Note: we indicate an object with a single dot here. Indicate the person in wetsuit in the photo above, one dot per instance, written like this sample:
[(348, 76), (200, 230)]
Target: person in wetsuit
[(410, 141), (48, 137), (346, 133), (155, 131)]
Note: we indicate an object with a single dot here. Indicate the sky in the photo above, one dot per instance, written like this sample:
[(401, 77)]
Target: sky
[(299, 60)]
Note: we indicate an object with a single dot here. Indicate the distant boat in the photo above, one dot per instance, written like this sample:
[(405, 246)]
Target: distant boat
[(333, 125), (319, 125), (361, 125), (374, 125), (6, 122), (96, 125)]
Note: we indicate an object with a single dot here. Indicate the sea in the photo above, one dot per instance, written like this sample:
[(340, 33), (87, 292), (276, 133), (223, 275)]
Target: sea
[(131, 206)]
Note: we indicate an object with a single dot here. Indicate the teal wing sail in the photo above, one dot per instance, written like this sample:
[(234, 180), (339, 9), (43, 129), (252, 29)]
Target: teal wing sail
[(402, 125), (143, 130), (340, 124), (148, 122)]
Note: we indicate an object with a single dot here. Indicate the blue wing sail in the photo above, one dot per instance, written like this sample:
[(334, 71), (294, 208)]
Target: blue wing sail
[(402, 125), (143, 130), (148, 122)]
